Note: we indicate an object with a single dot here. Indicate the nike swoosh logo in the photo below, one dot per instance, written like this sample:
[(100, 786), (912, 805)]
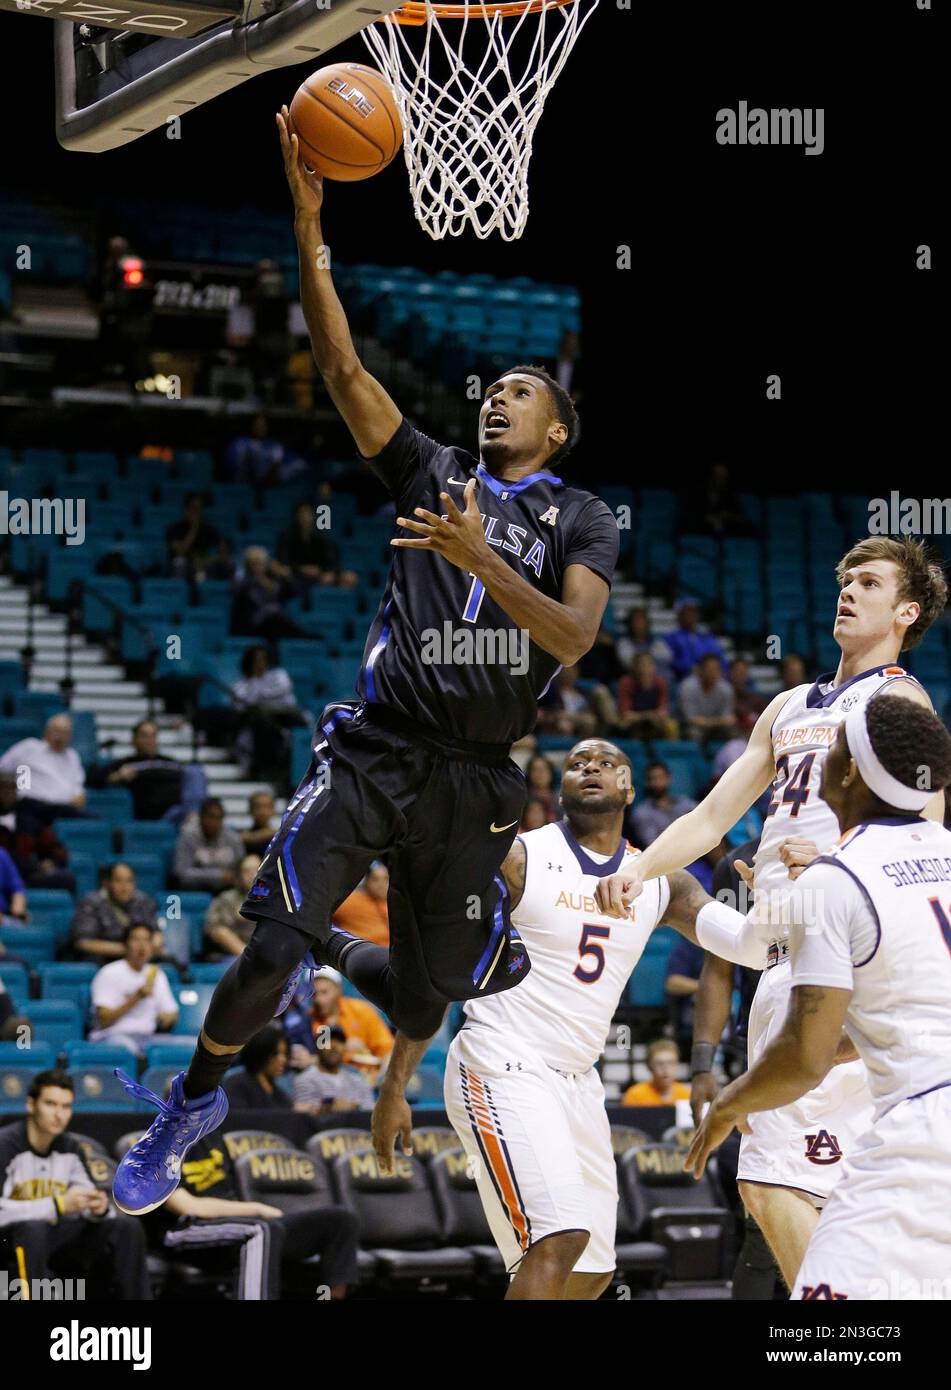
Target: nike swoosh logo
[(457, 482), (497, 829)]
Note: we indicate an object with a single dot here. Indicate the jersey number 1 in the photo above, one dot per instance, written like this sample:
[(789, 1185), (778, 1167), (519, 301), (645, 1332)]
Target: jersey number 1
[(588, 946), (473, 600)]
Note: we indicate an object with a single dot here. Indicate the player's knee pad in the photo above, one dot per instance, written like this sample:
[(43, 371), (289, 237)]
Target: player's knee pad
[(275, 949)]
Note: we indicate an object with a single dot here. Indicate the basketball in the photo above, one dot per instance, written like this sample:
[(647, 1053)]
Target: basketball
[(346, 121)]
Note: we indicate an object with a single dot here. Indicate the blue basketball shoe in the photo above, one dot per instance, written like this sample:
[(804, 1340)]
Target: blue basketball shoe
[(152, 1169), (311, 966)]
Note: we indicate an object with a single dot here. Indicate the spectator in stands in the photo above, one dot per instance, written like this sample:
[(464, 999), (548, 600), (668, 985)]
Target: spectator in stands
[(688, 645), (104, 916), (706, 702), (40, 857), (793, 671), (602, 663), (748, 704), (259, 599), (49, 773), (716, 508), (683, 980), (565, 709), (271, 343), (638, 638), (257, 459), (535, 815), (264, 707), (154, 780), (191, 540), (540, 776), (364, 913), (10, 1021), (659, 806), (264, 822), (50, 1208), (663, 1088), (12, 891), (264, 1059), (369, 1040), (226, 931), (207, 853), (642, 701), (132, 999), (308, 555), (730, 751), (330, 1084)]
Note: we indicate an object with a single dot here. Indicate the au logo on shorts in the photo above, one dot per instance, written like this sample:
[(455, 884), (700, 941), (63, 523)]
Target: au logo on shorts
[(820, 1291), (822, 1147)]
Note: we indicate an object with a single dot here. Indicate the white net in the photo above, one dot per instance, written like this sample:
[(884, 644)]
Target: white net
[(470, 92)]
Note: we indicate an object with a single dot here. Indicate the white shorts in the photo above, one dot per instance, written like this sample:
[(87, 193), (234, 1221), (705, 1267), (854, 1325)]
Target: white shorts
[(886, 1232), (802, 1145), (540, 1144)]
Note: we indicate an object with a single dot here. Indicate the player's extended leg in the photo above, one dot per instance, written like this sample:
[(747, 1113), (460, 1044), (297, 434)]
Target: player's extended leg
[(586, 1287), (545, 1269), (787, 1219)]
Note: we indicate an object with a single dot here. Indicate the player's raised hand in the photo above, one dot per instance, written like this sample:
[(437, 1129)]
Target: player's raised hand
[(458, 536), (615, 894), (797, 854), (307, 188), (704, 1089)]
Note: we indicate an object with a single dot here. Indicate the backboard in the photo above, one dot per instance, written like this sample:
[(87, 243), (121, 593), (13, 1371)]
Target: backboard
[(125, 67)]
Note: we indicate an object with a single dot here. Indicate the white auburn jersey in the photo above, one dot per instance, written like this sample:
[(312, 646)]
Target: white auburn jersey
[(581, 960), (802, 733), (881, 906)]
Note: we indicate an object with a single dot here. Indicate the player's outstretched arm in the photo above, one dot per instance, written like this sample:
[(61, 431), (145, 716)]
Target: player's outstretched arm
[(391, 1114), (368, 411)]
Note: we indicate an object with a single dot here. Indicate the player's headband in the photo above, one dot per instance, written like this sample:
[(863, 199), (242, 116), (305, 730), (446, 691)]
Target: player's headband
[(878, 780)]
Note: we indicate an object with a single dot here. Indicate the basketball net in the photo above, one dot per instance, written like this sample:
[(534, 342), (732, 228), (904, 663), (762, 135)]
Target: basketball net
[(470, 89)]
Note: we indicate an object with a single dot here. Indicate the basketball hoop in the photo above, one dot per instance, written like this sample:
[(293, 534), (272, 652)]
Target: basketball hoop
[(470, 100)]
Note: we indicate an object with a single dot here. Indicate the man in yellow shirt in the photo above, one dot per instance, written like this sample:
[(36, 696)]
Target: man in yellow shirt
[(662, 1089)]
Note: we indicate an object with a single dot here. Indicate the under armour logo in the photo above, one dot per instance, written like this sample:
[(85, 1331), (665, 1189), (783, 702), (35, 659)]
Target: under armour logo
[(555, 866), (173, 1165), (513, 1066)]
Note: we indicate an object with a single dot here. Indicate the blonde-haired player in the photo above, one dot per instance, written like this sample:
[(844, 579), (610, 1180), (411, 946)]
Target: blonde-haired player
[(521, 1086), (890, 593)]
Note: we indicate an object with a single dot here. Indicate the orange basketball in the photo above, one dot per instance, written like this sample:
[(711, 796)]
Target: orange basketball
[(346, 121)]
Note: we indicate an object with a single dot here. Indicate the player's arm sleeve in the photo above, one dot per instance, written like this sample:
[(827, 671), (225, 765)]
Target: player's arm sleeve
[(402, 459), (594, 540), (834, 927)]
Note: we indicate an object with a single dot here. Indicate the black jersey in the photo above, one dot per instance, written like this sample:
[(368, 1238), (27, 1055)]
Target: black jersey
[(440, 650)]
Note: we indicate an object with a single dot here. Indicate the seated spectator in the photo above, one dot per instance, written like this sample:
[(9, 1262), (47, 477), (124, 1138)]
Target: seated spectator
[(688, 645), (191, 540), (683, 980), (638, 638), (264, 1059), (602, 663), (10, 1021), (658, 807), (259, 460), (565, 709), (716, 508), (226, 931), (53, 1218), (132, 999), (540, 776), (642, 701), (369, 1040), (309, 555), (662, 1089), (330, 1084), (259, 599), (207, 853), (12, 891), (364, 913), (728, 754), (706, 702), (104, 916), (535, 815), (793, 671), (40, 857), (154, 780), (49, 774), (265, 706), (264, 822), (748, 705)]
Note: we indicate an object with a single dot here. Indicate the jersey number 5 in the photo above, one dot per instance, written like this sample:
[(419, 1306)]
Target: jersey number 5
[(588, 946)]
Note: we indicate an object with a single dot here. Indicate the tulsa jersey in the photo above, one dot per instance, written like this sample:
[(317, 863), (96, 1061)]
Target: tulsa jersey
[(581, 960), (442, 652), (802, 734), (880, 910)]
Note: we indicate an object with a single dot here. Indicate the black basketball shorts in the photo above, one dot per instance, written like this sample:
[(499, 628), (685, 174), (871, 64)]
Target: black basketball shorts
[(444, 813)]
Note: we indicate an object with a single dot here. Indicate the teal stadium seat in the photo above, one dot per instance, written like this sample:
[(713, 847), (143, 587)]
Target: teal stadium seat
[(101, 1054), (97, 1088), (33, 944), (56, 1021), (193, 1001)]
